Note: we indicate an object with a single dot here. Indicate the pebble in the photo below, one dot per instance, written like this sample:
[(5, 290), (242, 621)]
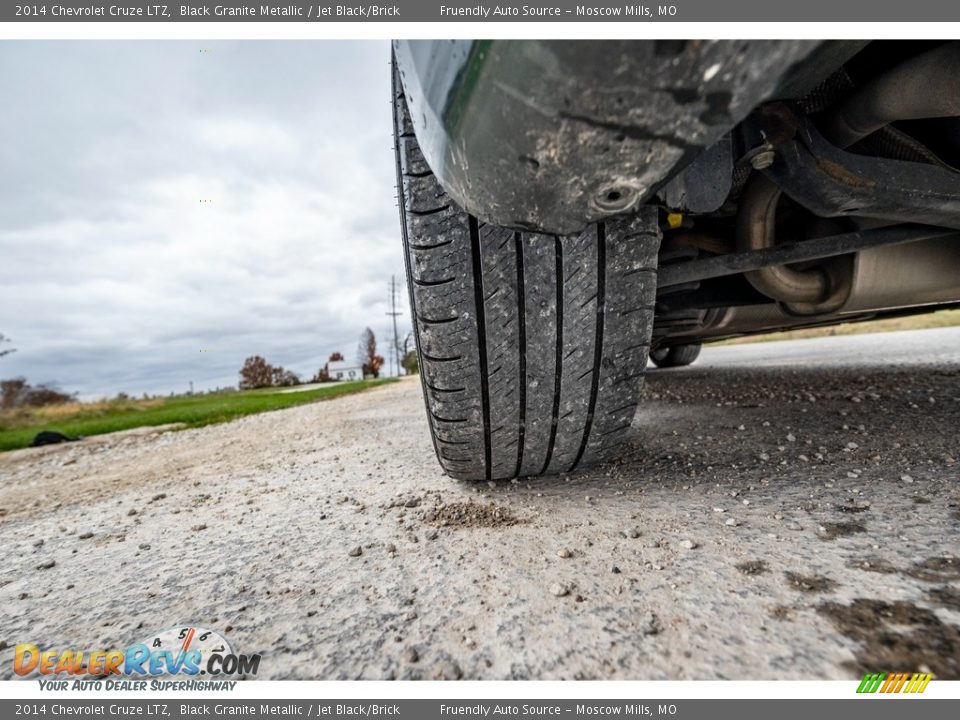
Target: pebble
[(651, 624), (559, 590), (906, 478), (690, 544), (85, 535), (411, 655), (564, 553), (355, 551), (449, 670), (632, 533), (46, 564), (732, 522), (615, 570)]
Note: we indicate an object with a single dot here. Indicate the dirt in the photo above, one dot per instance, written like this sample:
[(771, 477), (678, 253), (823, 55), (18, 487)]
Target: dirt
[(898, 636), (946, 596), (936, 569), (753, 567), (810, 583), (470, 515), (670, 563)]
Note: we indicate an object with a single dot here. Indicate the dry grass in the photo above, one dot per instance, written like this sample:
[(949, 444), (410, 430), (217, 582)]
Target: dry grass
[(943, 318), (24, 417)]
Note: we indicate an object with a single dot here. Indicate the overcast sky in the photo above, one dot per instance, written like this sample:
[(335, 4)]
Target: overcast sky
[(114, 275)]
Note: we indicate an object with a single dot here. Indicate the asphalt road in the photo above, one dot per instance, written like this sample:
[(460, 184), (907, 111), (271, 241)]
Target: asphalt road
[(785, 510)]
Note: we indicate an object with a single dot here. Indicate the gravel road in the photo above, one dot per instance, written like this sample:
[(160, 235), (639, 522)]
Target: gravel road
[(786, 510)]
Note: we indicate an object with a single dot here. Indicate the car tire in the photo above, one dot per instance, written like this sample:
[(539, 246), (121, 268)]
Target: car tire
[(676, 355), (532, 347)]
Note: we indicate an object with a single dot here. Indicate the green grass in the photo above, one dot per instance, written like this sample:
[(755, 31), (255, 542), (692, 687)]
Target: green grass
[(18, 428)]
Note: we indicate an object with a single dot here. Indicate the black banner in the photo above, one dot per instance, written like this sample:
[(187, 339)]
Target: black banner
[(484, 11)]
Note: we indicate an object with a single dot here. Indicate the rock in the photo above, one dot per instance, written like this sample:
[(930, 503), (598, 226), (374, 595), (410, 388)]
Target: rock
[(559, 590), (906, 478), (355, 551), (411, 655), (632, 533), (732, 522), (564, 553), (46, 564), (85, 535), (650, 624), (449, 670), (132, 511), (689, 544), (390, 548), (615, 570)]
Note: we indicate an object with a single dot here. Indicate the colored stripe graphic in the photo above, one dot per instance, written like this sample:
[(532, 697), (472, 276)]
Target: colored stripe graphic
[(870, 683), (894, 683)]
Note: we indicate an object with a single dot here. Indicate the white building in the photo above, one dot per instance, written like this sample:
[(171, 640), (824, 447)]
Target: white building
[(344, 370)]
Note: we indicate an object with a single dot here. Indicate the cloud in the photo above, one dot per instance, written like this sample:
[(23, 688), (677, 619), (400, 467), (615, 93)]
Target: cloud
[(158, 201)]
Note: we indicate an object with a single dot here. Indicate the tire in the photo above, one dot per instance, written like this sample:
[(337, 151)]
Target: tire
[(676, 356), (532, 347)]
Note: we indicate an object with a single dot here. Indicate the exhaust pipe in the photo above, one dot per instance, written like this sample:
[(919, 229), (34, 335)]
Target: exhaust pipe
[(926, 86), (812, 291)]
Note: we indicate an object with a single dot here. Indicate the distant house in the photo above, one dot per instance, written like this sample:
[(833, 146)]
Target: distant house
[(345, 371)]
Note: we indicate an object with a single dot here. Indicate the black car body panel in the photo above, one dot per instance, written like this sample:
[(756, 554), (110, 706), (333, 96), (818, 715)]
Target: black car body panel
[(552, 135)]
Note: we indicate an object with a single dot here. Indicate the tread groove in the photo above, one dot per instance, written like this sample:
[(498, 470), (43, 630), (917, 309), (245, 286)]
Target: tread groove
[(441, 321), (481, 340), (558, 250), (435, 358), (432, 283), (430, 247), (522, 331), (445, 390), (432, 211), (598, 339)]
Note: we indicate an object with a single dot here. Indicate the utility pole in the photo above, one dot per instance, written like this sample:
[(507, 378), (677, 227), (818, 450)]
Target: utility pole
[(393, 314)]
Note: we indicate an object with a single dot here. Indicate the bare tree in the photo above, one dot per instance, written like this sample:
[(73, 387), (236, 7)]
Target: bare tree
[(3, 350), (367, 353), (255, 373), (281, 377)]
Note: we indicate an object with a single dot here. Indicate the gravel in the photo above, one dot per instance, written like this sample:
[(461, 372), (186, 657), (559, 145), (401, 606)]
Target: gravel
[(314, 555)]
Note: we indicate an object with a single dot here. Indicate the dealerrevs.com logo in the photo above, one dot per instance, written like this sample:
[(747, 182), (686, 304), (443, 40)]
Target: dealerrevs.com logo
[(181, 653)]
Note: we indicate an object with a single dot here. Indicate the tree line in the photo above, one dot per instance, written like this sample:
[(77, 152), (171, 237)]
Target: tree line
[(258, 373)]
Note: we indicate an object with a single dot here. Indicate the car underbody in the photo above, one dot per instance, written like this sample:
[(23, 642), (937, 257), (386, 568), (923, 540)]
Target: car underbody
[(572, 210), (800, 183)]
